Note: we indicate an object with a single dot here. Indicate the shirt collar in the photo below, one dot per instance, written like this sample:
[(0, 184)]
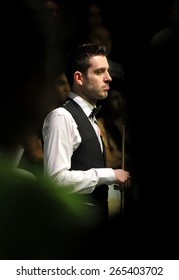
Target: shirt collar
[(87, 107)]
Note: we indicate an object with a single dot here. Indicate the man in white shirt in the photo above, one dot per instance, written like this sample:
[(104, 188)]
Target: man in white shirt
[(74, 154)]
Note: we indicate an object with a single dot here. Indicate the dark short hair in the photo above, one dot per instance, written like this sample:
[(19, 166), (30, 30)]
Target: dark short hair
[(78, 59)]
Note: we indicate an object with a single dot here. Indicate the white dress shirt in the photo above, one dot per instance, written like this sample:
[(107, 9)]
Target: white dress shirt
[(61, 138)]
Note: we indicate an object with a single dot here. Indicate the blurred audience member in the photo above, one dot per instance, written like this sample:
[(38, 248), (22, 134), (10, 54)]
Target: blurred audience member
[(32, 156), (111, 120), (169, 36), (94, 15), (102, 35)]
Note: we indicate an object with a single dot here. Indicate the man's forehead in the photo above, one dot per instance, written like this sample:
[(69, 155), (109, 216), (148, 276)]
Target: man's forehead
[(98, 60)]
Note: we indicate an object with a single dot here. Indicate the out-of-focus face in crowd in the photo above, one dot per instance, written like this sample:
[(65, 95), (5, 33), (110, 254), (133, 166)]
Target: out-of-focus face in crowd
[(29, 53)]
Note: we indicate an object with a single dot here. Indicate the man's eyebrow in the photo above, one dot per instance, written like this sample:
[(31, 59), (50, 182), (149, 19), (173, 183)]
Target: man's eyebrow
[(103, 69)]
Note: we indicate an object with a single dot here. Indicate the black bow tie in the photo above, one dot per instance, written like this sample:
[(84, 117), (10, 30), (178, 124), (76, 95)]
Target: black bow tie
[(95, 111)]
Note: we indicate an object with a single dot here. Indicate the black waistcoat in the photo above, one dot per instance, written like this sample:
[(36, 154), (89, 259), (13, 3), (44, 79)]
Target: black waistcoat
[(89, 154)]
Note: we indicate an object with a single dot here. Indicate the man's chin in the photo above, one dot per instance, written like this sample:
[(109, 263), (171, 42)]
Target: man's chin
[(104, 95)]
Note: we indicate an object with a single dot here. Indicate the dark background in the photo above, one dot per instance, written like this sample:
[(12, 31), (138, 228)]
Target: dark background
[(151, 231)]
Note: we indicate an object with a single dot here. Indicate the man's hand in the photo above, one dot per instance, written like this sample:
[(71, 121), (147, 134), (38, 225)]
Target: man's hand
[(122, 179)]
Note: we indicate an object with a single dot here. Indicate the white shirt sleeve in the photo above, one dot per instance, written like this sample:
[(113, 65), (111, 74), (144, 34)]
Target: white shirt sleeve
[(61, 139)]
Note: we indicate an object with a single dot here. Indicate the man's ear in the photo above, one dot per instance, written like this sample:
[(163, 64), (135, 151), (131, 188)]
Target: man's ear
[(78, 78)]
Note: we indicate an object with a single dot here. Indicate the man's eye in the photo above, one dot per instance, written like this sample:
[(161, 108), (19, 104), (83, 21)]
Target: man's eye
[(100, 71)]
